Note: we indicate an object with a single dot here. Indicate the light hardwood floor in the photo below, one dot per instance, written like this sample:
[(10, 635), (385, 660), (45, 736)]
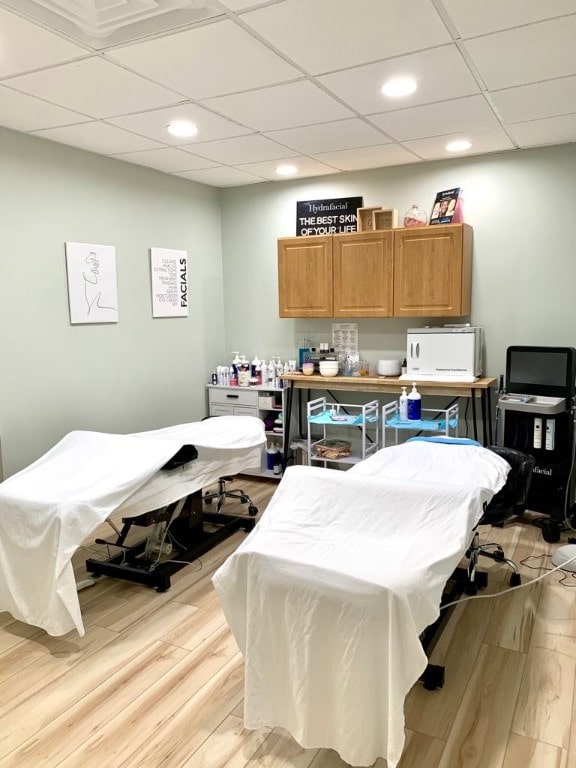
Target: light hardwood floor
[(158, 680)]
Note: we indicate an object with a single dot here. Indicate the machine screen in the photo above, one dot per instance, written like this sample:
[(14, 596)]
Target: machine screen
[(540, 370)]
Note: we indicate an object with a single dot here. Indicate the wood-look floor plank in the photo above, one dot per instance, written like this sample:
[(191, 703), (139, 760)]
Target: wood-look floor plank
[(200, 624), (68, 731), (555, 625), (229, 746), (544, 709), (433, 712), (512, 622), (480, 731), (194, 722), (280, 750), (151, 714), (25, 689), (527, 753)]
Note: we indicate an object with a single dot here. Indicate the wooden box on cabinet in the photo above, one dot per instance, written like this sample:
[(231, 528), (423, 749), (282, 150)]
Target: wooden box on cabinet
[(433, 271), (365, 219), (386, 218)]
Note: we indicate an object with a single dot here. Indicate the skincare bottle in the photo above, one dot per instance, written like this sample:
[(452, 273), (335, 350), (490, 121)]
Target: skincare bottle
[(214, 377), (403, 406), (264, 374), (404, 368), (414, 405)]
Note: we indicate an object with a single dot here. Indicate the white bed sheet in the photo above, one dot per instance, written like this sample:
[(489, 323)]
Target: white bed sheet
[(48, 509), (328, 595)]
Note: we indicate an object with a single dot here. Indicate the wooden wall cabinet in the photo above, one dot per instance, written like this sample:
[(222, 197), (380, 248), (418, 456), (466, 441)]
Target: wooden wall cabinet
[(415, 272), (433, 271)]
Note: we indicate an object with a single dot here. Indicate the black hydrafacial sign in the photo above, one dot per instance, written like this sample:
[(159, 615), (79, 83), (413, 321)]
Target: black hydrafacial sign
[(326, 217)]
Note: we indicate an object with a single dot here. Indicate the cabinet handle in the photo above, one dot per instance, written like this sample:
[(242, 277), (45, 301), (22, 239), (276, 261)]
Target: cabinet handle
[(417, 349), (233, 397)]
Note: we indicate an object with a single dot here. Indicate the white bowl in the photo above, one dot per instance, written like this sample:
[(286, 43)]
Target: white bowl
[(329, 367), (389, 367)]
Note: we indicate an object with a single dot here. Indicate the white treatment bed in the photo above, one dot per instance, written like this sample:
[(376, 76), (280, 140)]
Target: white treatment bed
[(48, 509), (328, 596)]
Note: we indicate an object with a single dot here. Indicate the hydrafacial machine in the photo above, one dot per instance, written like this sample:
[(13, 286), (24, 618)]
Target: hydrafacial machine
[(151, 479), (537, 411), (330, 597)]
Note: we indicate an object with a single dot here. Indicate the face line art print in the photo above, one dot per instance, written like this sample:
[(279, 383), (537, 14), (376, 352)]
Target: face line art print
[(90, 276), (92, 288)]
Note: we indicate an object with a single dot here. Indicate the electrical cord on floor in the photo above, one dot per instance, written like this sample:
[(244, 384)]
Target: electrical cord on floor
[(568, 576), (510, 589)]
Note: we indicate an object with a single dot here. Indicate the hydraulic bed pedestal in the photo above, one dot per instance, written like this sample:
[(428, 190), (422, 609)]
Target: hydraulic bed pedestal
[(182, 532)]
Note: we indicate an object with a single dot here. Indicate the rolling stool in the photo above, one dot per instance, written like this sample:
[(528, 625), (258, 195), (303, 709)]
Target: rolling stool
[(222, 494)]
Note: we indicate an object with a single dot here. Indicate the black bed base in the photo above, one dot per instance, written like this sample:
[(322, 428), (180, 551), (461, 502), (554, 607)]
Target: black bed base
[(188, 536), (434, 674)]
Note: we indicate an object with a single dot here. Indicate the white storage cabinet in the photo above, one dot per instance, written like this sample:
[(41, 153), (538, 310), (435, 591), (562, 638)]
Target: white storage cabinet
[(250, 401), (358, 424)]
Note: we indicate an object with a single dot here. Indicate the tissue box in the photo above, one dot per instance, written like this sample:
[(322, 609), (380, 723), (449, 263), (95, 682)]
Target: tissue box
[(265, 402)]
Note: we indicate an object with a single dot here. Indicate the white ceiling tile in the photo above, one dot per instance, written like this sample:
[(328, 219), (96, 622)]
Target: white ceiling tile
[(434, 148), (526, 54), (282, 106), (25, 46), (241, 5), (469, 113), (154, 123), (243, 149), (25, 113), (324, 35), (223, 177), (306, 167), (98, 137), (207, 61), (441, 74), (552, 130), (95, 87), (368, 157), (170, 159), (329, 137), (473, 19), (538, 100)]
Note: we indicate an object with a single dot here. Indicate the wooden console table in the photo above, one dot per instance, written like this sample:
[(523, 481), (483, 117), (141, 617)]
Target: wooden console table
[(391, 385)]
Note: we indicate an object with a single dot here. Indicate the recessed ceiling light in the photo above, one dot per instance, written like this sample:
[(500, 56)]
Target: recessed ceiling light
[(286, 170), (184, 129), (399, 86), (458, 146)]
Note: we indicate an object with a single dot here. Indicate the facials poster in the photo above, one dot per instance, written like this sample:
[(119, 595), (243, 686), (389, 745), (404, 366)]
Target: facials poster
[(326, 217), (169, 270), (92, 288)]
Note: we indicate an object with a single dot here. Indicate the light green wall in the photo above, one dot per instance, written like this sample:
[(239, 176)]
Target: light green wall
[(137, 374), (143, 373), (522, 206)]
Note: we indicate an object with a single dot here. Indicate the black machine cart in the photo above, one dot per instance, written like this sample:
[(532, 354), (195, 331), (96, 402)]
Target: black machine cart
[(538, 414)]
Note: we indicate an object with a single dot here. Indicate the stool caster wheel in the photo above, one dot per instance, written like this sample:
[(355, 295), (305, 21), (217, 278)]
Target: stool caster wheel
[(551, 533), (252, 510)]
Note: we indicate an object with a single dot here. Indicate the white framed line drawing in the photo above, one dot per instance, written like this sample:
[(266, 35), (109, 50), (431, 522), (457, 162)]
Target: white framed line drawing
[(92, 287), (169, 276)]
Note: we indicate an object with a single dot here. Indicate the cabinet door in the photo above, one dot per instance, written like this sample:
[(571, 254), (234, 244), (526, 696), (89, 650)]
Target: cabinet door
[(305, 276), (363, 274), (432, 271)]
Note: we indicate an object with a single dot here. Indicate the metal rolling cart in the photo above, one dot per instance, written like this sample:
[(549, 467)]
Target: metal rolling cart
[(437, 420), (326, 419)]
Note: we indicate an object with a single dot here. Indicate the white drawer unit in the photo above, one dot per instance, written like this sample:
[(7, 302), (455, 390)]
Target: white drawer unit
[(266, 403)]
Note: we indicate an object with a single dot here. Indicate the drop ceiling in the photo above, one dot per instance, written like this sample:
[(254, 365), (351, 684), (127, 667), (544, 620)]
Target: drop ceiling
[(287, 81)]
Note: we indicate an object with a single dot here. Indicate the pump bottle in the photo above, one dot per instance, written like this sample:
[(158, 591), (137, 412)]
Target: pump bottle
[(414, 405), (403, 406)]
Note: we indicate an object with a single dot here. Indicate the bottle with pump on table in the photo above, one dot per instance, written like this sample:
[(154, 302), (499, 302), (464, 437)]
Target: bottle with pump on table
[(403, 406), (414, 405)]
